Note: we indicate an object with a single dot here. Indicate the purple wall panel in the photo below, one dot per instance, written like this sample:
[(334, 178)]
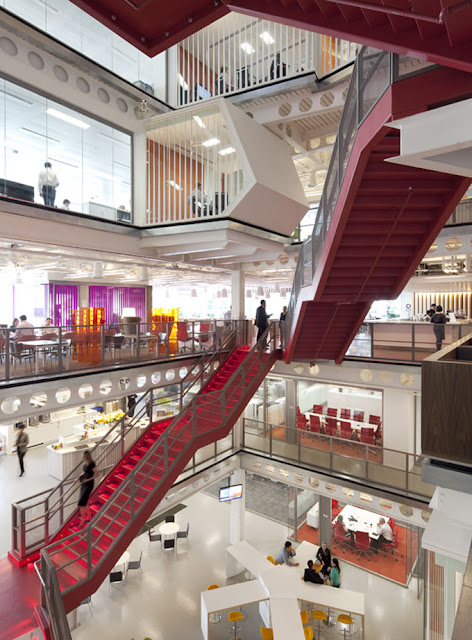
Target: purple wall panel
[(115, 299)]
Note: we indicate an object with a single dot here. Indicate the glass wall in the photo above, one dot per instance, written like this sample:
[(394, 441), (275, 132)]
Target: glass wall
[(90, 162), (67, 23), (338, 397)]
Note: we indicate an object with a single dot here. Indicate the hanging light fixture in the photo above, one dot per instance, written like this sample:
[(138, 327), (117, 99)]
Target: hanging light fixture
[(143, 273), (267, 295), (224, 293), (283, 293), (260, 291), (218, 294), (277, 287), (194, 293), (97, 270), (249, 293)]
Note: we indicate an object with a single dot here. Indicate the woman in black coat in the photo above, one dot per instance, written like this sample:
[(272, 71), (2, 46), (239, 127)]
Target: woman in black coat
[(438, 320)]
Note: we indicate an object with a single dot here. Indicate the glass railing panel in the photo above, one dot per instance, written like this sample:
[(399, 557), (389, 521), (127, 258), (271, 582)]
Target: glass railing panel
[(342, 463)]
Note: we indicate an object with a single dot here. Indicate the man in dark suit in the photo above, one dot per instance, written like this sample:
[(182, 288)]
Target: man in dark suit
[(262, 319), (311, 575)]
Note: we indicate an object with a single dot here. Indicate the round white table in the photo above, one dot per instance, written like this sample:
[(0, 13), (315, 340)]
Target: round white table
[(122, 563), (169, 528)]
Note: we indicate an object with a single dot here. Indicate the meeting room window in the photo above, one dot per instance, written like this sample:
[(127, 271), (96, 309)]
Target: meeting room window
[(348, 402), (90, 162)]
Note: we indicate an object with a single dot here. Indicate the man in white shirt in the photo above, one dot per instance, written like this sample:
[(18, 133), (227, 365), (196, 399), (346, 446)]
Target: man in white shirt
[(24, 329), (384, 531), (47, 184), (198, 201)]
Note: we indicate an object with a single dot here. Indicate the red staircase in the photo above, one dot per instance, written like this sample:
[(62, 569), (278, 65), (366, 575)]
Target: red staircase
[(373, 231), (434, 30), (125, 499)]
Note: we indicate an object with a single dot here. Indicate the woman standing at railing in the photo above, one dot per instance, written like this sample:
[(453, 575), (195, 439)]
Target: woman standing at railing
[(87, 482)]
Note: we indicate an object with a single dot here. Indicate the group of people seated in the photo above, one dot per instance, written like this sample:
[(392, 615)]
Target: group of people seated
[(329, 573), (21, 329), (384, 532)]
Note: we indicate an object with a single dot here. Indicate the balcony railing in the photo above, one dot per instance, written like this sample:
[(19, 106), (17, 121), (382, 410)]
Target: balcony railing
[(47, 351), (402, 341), (376, 465), (237, 53)]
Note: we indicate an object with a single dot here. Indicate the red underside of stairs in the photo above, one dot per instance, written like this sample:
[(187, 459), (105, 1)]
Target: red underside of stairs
[(20, 585), (385, 219)]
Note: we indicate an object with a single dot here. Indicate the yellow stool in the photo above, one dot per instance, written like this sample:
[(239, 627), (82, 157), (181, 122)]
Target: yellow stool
[(308, 633), (319, 615), (346, 623), (271, 559), (235, 616), (304, 617), (266, 633), (214, 617)]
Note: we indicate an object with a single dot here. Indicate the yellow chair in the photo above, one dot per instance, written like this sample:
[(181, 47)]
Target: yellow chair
[(214, 617), (266, 633), (346, 623), (319, 615), (235, 617), (317, 567), (308, 633), (304, 617), (271, 559)]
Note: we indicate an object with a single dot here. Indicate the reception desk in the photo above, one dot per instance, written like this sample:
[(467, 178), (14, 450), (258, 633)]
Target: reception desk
[(63, 460)]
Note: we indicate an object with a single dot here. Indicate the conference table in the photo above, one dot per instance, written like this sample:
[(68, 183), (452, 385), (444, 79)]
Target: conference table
[(277, 589), (357, 519)]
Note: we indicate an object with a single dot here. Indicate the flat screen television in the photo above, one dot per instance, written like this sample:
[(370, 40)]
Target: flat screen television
[(231, 493)]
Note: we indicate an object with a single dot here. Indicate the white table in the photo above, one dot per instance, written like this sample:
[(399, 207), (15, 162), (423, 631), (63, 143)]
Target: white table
[(169, 528), (365, 520), (283, 586), (38, 345)]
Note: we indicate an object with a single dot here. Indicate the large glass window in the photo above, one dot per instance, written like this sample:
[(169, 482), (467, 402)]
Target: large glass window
[(368, 401), (90, 162), (67, 23)]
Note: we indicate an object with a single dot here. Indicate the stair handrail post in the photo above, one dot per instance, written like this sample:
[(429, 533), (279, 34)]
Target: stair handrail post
[(59, 355), (46, 520), (102, 345), (193, 336), (22, 534), (194, 417), (122, 429), (132, 492), (167, 339), (166, 450), (138, 339), (223, 403), (181, 399), (7, 356), (89, 550)]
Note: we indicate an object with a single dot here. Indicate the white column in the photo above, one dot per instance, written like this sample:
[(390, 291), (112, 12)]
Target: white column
[(451, 568), (139, 176), (172, 76), (238, 289), (238, 509)]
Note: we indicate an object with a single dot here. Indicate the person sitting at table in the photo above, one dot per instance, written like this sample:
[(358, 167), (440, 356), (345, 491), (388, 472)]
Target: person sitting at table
[(14, 325), (310, 575), (286, 554), (24, 329), (340, 524), (46, 328), (324, 556), (335, 574), (385, 533)]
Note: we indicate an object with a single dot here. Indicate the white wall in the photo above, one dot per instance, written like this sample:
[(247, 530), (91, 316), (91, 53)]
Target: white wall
[(398, 420)]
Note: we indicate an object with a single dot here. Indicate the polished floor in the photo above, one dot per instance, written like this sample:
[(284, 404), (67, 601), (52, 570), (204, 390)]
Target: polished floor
[(165, 603)]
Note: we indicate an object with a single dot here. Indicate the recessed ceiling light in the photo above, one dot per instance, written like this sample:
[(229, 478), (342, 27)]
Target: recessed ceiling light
[(268, 39), (211, 142), (247, 48), (225, 152), (199, 121), (67, 118)]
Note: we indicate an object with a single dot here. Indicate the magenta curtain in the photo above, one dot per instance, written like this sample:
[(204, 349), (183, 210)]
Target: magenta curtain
[(66, 299), (115, 299)]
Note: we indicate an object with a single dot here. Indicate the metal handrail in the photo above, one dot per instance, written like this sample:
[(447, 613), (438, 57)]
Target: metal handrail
[(158, 453), (369, 448), (352, 117), (56, 499)]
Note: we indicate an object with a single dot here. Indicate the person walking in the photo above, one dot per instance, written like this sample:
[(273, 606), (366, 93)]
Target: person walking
[(438, 320), (47, 184), (86, 481), (282, 319), (21, 445), (132, 404), (262, 319)]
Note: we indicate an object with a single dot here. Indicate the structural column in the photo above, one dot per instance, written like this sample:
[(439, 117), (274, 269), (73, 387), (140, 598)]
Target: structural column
[(139, 177), (324, 531), (238, 509), (238, 288)]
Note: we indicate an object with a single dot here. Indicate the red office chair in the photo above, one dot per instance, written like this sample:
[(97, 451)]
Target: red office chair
[(332, 412), (331, 427), (318, 408), (391, 522), (358, 416), (362, 541), (315, 423), (341, 537), (183, 338), (378, 435), (375, 420), (298, 411), (392, 547), (301, 422), (205, 334), (345, 430), (367, 435), (345, 414)]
